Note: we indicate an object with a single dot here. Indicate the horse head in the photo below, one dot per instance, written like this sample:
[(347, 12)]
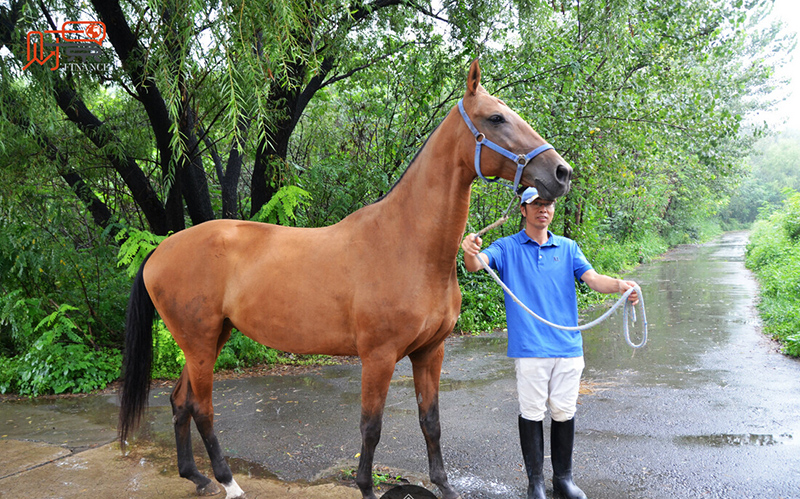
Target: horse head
[(517, 152)]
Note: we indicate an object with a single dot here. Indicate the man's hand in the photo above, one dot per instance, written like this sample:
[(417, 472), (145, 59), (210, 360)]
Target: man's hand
[(472, 247), (625, 286)]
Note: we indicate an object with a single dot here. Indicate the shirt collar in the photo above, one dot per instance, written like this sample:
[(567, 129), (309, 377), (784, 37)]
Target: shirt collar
[(524, 238)]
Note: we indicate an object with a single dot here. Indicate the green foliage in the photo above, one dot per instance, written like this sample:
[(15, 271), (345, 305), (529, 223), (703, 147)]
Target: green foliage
[(355, 141), (282, 207), (792, 343), (168, 358), (381, 476), (136, 245), (774, 255), (791, 218), (240, 351), (773, 177), (482, 307), (59, 361), (61, 309)]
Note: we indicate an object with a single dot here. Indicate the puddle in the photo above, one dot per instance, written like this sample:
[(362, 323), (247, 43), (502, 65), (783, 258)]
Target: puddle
[(734, 440), (75, 422), (474, 486), (249, 468)]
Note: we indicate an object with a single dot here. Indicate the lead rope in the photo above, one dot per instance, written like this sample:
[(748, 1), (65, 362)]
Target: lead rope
[(628, 308)]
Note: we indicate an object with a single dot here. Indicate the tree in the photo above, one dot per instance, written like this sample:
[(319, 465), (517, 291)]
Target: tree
[(209, 84), (646, 100), (304, 111), (773, 176)]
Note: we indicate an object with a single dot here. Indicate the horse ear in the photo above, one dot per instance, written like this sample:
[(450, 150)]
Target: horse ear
[(473, 77)]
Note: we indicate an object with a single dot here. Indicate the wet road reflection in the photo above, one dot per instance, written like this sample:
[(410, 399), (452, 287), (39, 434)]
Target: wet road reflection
[(707, 409)]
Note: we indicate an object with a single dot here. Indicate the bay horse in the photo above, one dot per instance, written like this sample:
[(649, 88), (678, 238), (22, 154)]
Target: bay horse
[(380, 284)]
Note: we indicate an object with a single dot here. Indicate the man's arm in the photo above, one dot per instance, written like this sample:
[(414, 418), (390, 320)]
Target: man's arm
[(607, 285), (472, 251)]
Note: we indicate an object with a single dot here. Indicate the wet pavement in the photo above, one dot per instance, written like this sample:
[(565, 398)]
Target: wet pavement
[(708, 409)]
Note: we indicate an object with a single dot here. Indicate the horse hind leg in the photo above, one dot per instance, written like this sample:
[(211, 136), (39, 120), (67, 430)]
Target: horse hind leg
[(192, 398), (181, 419), (427, 367)]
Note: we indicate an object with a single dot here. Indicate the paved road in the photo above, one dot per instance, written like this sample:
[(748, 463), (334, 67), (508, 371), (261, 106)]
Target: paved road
[(708, 409)]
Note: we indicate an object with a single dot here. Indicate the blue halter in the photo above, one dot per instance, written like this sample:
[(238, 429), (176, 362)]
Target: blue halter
[(480, 139)]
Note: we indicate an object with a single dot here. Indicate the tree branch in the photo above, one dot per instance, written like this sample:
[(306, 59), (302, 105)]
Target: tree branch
[(99, 210), (131, 54)]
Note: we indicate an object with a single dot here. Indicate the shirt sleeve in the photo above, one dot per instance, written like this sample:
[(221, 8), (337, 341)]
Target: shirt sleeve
[(579, 262), (495, 253)]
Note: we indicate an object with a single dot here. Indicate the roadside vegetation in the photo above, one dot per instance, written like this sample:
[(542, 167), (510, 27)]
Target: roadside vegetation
[(774, 255), (299, 113), (769, 199)]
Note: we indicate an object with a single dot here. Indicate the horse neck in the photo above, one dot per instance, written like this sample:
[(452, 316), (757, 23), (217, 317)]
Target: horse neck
[(429, 206)]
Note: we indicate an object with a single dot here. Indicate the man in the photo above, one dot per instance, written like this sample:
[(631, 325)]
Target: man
[(541, 269)]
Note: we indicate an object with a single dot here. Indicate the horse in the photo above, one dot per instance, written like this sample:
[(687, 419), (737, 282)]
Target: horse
[(380, 284)]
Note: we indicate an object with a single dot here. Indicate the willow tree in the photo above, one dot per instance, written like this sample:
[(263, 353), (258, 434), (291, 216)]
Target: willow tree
[(194, 103)]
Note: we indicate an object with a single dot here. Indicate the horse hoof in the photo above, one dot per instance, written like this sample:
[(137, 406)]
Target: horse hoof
[(209, 489), (450, 493)]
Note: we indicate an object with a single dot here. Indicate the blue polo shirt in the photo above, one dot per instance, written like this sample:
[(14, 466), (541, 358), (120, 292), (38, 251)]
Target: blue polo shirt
[(543, 278)]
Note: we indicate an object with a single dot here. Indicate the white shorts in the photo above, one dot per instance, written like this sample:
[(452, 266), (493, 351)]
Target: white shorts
[(549, 382)]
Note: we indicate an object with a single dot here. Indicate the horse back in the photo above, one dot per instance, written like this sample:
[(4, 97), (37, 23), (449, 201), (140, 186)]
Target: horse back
[(338, 290)]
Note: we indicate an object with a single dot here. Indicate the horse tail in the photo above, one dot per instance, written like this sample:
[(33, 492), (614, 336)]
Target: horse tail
[(138, 356)]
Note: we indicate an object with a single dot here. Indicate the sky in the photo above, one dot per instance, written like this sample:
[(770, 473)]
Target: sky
[(788, 11)]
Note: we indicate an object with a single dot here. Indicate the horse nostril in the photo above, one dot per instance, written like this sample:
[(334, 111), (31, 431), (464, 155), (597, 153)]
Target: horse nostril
[(563, 173)]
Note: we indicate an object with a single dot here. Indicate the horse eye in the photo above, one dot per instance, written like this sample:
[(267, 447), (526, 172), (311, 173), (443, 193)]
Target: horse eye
[(497, 119)]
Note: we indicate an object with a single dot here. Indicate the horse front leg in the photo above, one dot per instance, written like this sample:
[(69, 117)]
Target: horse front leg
[(427, 367), (376, 374)]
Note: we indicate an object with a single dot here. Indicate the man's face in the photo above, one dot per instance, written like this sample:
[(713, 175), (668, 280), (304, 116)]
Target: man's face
[(539, 213)]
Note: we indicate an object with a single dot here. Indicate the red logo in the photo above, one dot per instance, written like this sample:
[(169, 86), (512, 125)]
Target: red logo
[(81, 42)]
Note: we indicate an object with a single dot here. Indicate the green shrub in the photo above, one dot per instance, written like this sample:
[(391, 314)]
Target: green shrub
[(50, 260), (240, 351), (59, 361), (168, 358), (791, 217), (482, 308), (136, 245), (793, 345), (773, 253), (282, 207)]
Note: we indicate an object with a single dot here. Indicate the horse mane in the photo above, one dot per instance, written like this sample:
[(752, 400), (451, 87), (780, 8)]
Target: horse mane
[(410, 164)]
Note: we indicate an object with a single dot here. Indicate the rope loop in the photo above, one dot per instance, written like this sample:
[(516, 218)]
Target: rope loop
[(623, 299)]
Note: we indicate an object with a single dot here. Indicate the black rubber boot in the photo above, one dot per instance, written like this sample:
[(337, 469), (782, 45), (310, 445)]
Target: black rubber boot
[(562, 438), (531, 438)]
